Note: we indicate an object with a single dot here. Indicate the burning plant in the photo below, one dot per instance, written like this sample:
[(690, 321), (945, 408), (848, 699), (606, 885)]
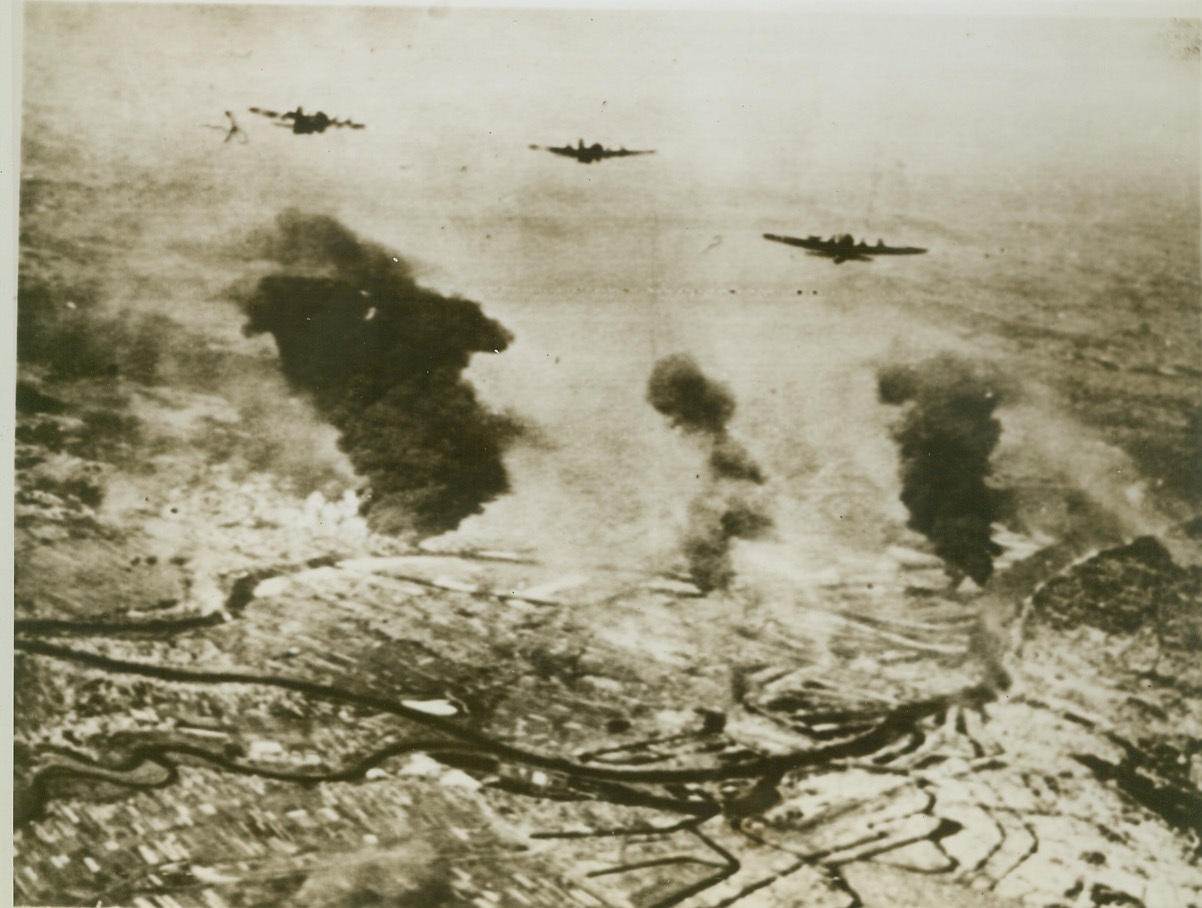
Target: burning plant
[(724, 511), (382, 359), (945, 437)]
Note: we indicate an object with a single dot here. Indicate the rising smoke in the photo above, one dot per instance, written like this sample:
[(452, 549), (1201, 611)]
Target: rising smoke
[(726, 509), (680, 391), (382, 360), (945, 437)]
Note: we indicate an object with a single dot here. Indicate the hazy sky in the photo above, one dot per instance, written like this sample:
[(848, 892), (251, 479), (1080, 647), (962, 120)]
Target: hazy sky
[(961, 133), (729, 90), (749, 112)]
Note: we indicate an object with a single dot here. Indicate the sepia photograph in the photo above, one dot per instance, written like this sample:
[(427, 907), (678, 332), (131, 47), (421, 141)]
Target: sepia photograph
[(581, 457)]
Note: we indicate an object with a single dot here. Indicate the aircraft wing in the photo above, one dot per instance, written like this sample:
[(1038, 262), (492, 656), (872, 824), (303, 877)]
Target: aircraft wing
[(894, 250), (814, 245), (566, 150), (623, 153), (843, 253)]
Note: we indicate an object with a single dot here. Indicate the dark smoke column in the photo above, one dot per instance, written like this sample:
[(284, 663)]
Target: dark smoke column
[(946, 436), (382, 359), (724, 511)]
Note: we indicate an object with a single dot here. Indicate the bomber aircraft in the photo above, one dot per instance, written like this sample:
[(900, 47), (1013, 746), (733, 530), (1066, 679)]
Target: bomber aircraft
[(587, 154), (843, 248), (302, 123)]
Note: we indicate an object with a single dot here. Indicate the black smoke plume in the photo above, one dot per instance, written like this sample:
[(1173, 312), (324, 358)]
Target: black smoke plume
[(724, 510), (679, 390), (730, 460), (945, 437), (382, 360)]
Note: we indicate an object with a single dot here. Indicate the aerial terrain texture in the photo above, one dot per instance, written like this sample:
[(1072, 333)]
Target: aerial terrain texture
[(403, 517)]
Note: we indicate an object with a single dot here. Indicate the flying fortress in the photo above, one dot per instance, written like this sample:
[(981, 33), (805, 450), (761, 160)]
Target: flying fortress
[(844, 248), (302, 123), (587, 154)]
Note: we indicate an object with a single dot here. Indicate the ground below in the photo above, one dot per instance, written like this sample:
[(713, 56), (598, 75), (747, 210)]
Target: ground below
[(227, 694)]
